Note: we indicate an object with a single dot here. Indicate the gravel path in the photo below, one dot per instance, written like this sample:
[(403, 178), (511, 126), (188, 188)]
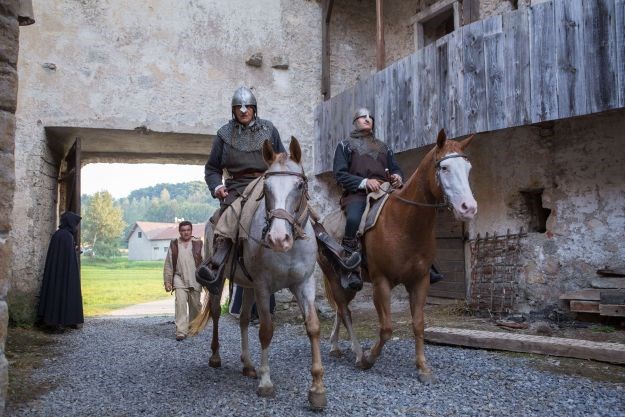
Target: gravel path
[(134, 367)]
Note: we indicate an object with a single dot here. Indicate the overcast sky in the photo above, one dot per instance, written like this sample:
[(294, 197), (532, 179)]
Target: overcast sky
[(121, 179)]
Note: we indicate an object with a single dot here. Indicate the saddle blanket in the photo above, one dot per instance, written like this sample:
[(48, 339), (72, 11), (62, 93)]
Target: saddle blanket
[(375, 202), (236, 216)]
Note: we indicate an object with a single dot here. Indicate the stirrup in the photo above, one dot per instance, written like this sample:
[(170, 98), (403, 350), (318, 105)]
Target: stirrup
[(435, 276), (210, 278)]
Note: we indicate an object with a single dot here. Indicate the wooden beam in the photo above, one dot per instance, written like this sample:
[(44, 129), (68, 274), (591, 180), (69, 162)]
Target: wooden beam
[(381, 58), (325, 49), (612, 310), (327, 15), (584, 306), (470, 11), (583, 295), (519, 342)]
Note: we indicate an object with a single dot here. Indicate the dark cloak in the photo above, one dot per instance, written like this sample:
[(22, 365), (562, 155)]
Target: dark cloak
[(60, 299)]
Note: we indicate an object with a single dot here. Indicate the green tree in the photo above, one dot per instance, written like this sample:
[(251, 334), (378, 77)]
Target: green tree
[(102, 224)]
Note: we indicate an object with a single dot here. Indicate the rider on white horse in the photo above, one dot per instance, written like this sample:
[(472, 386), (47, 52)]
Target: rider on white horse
[(237, 156)]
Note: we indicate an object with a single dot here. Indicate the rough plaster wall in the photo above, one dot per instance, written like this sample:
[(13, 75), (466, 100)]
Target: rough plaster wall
[(490, 8), (352, 43), (398, 31), (579, 163), (9, 42), (169, 66)]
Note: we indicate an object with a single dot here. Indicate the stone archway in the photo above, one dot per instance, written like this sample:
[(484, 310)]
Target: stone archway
[(74, 147)]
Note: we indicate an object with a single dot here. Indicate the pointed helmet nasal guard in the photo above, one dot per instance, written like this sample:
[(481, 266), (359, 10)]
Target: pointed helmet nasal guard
[(244, 97)]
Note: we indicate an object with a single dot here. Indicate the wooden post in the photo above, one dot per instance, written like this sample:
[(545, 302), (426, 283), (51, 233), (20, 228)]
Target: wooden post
[(325, 48), (470, 11), (381, 58)]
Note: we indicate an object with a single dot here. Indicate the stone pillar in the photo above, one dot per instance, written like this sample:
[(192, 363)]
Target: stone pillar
[(9, 40)]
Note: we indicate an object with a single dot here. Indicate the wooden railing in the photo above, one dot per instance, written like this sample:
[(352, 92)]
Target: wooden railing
[(555, 60)]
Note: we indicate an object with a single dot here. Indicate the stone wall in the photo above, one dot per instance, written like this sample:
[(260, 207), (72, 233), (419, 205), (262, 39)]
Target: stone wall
[(9, 40), (579, 165), (168, 66)]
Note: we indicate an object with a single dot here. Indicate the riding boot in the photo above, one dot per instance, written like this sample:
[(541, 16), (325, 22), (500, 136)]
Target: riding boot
[(210, 274), (347, 260), (351, 279), (435, 276)]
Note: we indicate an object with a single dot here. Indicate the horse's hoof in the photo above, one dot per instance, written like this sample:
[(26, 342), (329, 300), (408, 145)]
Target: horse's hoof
[(266, 392), (249, 372), (425, 377), (336, 353), (364, 364), (214, 361), (317, 400)]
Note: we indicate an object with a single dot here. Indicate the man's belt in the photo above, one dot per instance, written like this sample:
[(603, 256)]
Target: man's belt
[(243, 174)]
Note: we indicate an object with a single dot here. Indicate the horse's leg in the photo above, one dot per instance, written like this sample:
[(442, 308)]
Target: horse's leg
[(306, 300), (418, 294), (335, 350), (214, 303), (265, 334), (356, 348), (244, 322), (382, 302)]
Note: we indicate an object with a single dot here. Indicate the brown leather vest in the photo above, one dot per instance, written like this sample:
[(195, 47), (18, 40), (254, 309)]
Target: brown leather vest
[(196, 249)]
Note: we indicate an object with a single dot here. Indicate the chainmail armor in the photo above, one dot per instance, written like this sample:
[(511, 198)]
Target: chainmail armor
[(367, 145), (246, 138)]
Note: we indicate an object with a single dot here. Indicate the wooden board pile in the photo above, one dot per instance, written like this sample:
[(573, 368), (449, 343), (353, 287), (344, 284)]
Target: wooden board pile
[(606, 297)]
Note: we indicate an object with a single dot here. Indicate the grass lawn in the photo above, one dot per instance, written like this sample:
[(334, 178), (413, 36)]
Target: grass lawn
[(111, 284)]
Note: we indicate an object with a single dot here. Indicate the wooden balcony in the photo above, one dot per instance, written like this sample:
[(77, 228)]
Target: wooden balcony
[(555, 60)]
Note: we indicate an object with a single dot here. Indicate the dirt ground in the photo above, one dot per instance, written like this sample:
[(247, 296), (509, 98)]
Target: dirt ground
[(26, 350)]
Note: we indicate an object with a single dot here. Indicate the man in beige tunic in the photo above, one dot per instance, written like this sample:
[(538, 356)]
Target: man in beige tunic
[(183, 257)]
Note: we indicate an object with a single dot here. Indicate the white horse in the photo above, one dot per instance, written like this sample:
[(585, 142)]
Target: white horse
[(280, 253)]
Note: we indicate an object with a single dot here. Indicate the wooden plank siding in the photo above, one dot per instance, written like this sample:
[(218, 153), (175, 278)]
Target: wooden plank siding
[(620, 49), (554, 60), (544, 95)]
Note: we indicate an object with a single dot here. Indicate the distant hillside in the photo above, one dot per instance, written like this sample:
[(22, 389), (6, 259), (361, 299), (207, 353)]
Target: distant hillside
[(183, 190), (166, 202)]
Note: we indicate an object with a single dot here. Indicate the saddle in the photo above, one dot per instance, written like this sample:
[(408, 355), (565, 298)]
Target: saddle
[(334, 229)]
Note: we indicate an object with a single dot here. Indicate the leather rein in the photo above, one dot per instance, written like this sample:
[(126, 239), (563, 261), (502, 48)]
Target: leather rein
[(437, 166)]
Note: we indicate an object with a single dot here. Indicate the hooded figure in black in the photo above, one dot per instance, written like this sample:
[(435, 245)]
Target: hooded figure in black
[(60, 299)]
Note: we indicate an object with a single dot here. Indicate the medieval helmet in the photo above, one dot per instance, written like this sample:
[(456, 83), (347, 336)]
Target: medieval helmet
[(243, 97), (363, 112)]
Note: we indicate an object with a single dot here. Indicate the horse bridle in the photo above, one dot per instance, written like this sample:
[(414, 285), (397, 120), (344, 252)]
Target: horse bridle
[(296, 221), (437, 166)]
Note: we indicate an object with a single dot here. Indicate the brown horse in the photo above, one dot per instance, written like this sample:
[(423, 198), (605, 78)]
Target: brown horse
[(400, 248)]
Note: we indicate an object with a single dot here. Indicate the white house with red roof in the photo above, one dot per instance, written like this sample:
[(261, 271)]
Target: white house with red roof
[(149, 241)]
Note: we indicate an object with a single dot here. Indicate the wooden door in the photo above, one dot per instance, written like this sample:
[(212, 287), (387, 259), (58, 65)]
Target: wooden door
[(449, 257), (69, 183)]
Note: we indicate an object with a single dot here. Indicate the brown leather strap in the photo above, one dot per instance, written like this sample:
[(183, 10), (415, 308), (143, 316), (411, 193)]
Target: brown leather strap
[(243, 174)]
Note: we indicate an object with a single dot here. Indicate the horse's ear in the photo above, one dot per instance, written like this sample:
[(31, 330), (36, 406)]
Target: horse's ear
[(268, 154), (295, 150), (466, 142), (441, 138)]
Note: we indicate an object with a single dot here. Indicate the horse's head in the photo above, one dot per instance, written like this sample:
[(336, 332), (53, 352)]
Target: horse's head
[(286, 196), (452, 175)]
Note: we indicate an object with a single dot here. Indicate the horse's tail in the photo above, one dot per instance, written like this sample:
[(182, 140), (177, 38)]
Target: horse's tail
[(201, 320)]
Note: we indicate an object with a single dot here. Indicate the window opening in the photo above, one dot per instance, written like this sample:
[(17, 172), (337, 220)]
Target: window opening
[(139, 235), (537, 214)]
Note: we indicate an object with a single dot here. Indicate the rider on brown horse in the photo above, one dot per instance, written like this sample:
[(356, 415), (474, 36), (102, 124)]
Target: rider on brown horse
[(362, 164)]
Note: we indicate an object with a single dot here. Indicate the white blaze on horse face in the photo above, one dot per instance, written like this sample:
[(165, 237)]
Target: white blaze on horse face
[(280, 189), (454, 178)]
